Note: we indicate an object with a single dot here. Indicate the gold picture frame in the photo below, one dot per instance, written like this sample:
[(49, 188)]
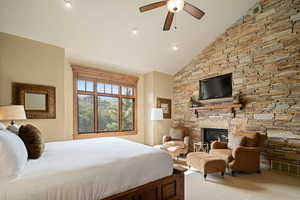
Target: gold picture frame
[(42, 100), (166, 106)]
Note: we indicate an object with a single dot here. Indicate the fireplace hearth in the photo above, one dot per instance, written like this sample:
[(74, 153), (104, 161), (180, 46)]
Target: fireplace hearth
[(213, 134)]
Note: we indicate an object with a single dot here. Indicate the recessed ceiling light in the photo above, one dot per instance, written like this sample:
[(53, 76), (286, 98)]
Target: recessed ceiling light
[(134, 31), (68, 4), (175, 48)]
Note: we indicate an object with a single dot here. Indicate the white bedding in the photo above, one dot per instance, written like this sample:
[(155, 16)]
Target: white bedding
[(89, 169)]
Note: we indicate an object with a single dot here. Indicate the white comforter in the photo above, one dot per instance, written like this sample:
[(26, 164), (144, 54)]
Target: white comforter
[(88, 170)]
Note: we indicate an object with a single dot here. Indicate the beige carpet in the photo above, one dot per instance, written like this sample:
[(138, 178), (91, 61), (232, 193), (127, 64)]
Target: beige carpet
[(266, 186)]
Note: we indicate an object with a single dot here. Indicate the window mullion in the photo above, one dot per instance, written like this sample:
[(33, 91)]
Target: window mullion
[(120, 114), (95, 108)]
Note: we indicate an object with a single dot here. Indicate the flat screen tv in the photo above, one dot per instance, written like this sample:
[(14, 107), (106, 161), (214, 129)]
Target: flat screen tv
[(217, 87)]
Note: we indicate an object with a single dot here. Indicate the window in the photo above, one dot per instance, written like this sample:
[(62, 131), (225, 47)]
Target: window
[(104, 103)]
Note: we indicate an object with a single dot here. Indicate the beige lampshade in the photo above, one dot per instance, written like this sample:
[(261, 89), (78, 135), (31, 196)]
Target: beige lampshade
[(12, 112), (157, 114)]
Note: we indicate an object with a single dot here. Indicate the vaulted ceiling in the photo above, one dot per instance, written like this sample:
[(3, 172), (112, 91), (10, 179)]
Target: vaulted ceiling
[(99, 31)]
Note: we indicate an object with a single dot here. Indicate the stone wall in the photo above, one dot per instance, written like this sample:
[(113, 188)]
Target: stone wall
[(263, 54)]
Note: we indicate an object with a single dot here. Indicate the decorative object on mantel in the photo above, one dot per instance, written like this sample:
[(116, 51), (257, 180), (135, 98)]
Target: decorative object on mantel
[(294, 19), (166, 107), (237, 98), (39, 100), (194, 103)]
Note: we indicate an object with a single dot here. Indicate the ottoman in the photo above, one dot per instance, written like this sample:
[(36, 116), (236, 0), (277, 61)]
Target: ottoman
[(205, 163)]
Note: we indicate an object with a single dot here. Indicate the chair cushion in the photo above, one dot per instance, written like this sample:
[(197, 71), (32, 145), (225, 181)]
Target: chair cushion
[(235, 140), (251, 138), (33, 141), (225, 154), (178, 133), (179, 144)]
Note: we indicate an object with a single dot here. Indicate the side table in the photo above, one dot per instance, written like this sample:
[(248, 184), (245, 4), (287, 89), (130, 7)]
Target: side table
[(200, 147)]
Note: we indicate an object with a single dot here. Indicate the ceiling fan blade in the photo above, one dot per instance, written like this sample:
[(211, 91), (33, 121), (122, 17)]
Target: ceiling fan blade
[(153, 6), (169, 20), (192, 10)]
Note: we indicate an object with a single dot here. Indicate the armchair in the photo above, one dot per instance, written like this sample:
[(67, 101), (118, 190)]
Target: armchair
[(177, 142), (242, 153)]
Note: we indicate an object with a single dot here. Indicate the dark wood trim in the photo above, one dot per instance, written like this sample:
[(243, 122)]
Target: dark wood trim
[(18, 98), (231, 107), (96, 75), (219, 107), (112, 77), (168, 188)]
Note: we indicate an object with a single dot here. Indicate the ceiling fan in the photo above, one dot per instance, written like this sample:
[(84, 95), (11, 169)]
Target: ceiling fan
[(174, 6)]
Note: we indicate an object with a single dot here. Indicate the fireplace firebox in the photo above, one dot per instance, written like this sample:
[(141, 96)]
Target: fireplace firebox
[(212, 134)]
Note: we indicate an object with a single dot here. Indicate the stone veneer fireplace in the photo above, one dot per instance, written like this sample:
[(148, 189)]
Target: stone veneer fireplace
[(213, 134), (261, 52)]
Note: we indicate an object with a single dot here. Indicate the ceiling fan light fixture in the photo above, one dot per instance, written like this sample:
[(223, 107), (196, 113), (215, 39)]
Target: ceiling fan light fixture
[(175, 6)]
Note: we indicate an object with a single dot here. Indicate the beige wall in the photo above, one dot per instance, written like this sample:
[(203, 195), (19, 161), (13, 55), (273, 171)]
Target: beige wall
[(156, 85), (149, 103), (27, 61)]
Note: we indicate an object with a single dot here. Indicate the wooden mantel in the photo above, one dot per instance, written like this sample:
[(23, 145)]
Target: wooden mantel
[(231, 107)]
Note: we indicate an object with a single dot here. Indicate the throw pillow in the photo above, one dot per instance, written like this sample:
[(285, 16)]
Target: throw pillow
[(33, 141), (13, 156), (251, 138), (236, 141)]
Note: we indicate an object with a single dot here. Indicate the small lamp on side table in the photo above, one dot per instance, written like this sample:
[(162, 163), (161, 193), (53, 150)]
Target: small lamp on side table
[(12, 113)]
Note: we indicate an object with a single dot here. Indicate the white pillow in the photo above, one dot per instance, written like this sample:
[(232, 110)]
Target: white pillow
[(13, 156), (2, 126)]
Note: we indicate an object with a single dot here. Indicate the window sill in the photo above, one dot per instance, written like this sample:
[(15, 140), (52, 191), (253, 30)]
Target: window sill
[(107, 134)]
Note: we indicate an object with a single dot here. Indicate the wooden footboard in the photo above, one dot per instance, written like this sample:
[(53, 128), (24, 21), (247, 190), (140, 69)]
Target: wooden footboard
[(168, 188)]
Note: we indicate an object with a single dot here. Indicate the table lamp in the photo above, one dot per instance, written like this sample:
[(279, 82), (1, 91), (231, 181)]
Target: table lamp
[(157, 114), (13, 113)]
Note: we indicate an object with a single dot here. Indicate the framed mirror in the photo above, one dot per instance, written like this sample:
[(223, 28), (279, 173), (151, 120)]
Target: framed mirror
[(38, 100), (34, 101)]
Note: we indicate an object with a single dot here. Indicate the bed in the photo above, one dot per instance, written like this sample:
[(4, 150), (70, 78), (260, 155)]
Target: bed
[(92, 169)]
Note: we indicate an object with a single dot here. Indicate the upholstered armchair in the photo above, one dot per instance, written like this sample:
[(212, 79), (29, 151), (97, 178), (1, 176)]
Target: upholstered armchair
[(242, 152), (177, 142)]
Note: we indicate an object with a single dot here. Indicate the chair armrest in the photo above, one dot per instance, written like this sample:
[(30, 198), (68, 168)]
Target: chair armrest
[(218, 145), (186, 141), (166, 138), (240, 151)]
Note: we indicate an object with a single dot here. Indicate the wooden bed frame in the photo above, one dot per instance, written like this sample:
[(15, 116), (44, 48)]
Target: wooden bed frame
[(168, 188)]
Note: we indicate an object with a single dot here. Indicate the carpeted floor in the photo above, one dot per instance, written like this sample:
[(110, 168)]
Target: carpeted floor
[(269, 185)]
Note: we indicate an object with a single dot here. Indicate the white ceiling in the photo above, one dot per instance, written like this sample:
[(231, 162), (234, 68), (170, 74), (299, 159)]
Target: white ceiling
[(99, 31)]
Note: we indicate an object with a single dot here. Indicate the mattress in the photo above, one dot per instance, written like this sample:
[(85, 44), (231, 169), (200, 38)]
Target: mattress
[(88, 169)]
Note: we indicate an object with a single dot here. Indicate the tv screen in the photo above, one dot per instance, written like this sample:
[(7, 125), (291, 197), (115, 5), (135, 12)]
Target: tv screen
[(217, 87)]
